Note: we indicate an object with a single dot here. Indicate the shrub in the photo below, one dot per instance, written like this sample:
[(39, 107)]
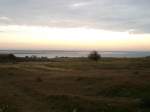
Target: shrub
[(11, 56), (145, 102), (94, 56), (7, 108), (7, 58)]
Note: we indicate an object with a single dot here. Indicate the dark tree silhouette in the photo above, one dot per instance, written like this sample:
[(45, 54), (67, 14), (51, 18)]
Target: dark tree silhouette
[(94, 56), (11, 56), (7, 58)]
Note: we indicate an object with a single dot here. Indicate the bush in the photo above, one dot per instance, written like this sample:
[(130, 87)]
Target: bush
[(145, 102), (94, 56), (7, 58)]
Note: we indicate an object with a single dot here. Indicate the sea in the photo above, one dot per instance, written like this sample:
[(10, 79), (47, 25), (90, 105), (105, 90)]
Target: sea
[(62, 53)]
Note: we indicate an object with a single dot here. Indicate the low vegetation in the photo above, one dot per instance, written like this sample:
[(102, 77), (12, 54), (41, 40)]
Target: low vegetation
[(94, 55), (5, 58), (76, 85)]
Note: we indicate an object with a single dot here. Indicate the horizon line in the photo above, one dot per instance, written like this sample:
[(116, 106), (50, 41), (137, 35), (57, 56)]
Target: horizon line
[(74, 50)]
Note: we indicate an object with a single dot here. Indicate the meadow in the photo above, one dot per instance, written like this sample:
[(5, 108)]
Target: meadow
[(76, 85)]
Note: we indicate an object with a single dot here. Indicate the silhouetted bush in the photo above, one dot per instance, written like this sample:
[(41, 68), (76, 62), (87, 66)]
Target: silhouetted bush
[(34, 57), (94, 56), (145, 103), (7, 58)]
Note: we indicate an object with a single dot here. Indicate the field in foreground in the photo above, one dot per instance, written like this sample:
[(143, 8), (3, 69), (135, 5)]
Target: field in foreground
[(76, 85)]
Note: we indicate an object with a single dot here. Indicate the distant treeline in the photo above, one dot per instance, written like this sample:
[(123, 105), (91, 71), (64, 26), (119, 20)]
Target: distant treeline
[(13, 58)]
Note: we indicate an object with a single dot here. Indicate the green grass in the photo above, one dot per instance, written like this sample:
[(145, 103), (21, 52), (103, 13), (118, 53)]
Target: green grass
[(7, 107)]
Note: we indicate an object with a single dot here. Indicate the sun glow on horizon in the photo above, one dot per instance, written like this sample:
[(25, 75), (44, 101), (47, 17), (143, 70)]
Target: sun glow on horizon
[(38, 37)]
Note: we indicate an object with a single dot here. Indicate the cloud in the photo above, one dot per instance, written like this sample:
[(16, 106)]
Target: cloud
[(4, 18), (79, 4), (118, 15), (68, 23)]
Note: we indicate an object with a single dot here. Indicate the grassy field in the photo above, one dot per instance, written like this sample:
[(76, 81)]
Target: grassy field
[(76, 85)]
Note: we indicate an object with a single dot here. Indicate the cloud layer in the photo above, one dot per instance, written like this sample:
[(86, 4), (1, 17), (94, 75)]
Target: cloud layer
[(118, 15)]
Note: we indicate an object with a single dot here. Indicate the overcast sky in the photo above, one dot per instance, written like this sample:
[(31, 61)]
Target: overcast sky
[(120, 15), (131, 16)]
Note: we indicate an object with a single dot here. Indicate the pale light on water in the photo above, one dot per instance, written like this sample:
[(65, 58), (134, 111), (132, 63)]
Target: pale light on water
[(53, 54)]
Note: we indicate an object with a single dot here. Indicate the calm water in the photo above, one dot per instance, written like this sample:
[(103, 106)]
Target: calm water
[(53, 54)]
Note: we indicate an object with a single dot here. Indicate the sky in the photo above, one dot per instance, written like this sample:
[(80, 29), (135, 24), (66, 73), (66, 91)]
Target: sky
[(75, 24)]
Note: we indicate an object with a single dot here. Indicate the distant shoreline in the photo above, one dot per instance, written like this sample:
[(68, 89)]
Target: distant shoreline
[(63, 53)]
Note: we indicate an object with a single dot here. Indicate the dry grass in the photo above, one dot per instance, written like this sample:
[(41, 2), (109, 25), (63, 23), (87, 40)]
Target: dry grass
[(76, 85)]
